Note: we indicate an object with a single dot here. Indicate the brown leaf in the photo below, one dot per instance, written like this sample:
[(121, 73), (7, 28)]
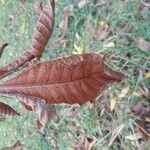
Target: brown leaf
[(74, 79), (44, 111), (16, 146), (42, 32), (100, 3), (101, 35), (6, 110), (143, 45)]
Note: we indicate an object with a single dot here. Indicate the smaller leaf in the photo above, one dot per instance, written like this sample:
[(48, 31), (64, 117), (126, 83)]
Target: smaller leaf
[(142, 44), (6, 110), (113, 102), (134, 137), (124, 92)]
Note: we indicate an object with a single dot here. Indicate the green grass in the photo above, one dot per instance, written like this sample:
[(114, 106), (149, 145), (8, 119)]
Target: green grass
[(16, 26)]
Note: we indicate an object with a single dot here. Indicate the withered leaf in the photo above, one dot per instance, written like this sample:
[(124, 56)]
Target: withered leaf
[(142, 44), (74, 79), (44, 111), (42, 32), (6, 110)]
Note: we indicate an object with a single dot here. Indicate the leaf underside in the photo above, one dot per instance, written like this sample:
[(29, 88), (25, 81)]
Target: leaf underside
[(74, 79)]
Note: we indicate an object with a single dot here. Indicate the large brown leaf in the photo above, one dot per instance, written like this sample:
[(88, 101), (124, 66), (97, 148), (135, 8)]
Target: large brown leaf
[(42, 32), (74, 79)]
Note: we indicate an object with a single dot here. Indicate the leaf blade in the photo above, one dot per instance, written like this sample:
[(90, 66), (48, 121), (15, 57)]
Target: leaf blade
[(74, 79)]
